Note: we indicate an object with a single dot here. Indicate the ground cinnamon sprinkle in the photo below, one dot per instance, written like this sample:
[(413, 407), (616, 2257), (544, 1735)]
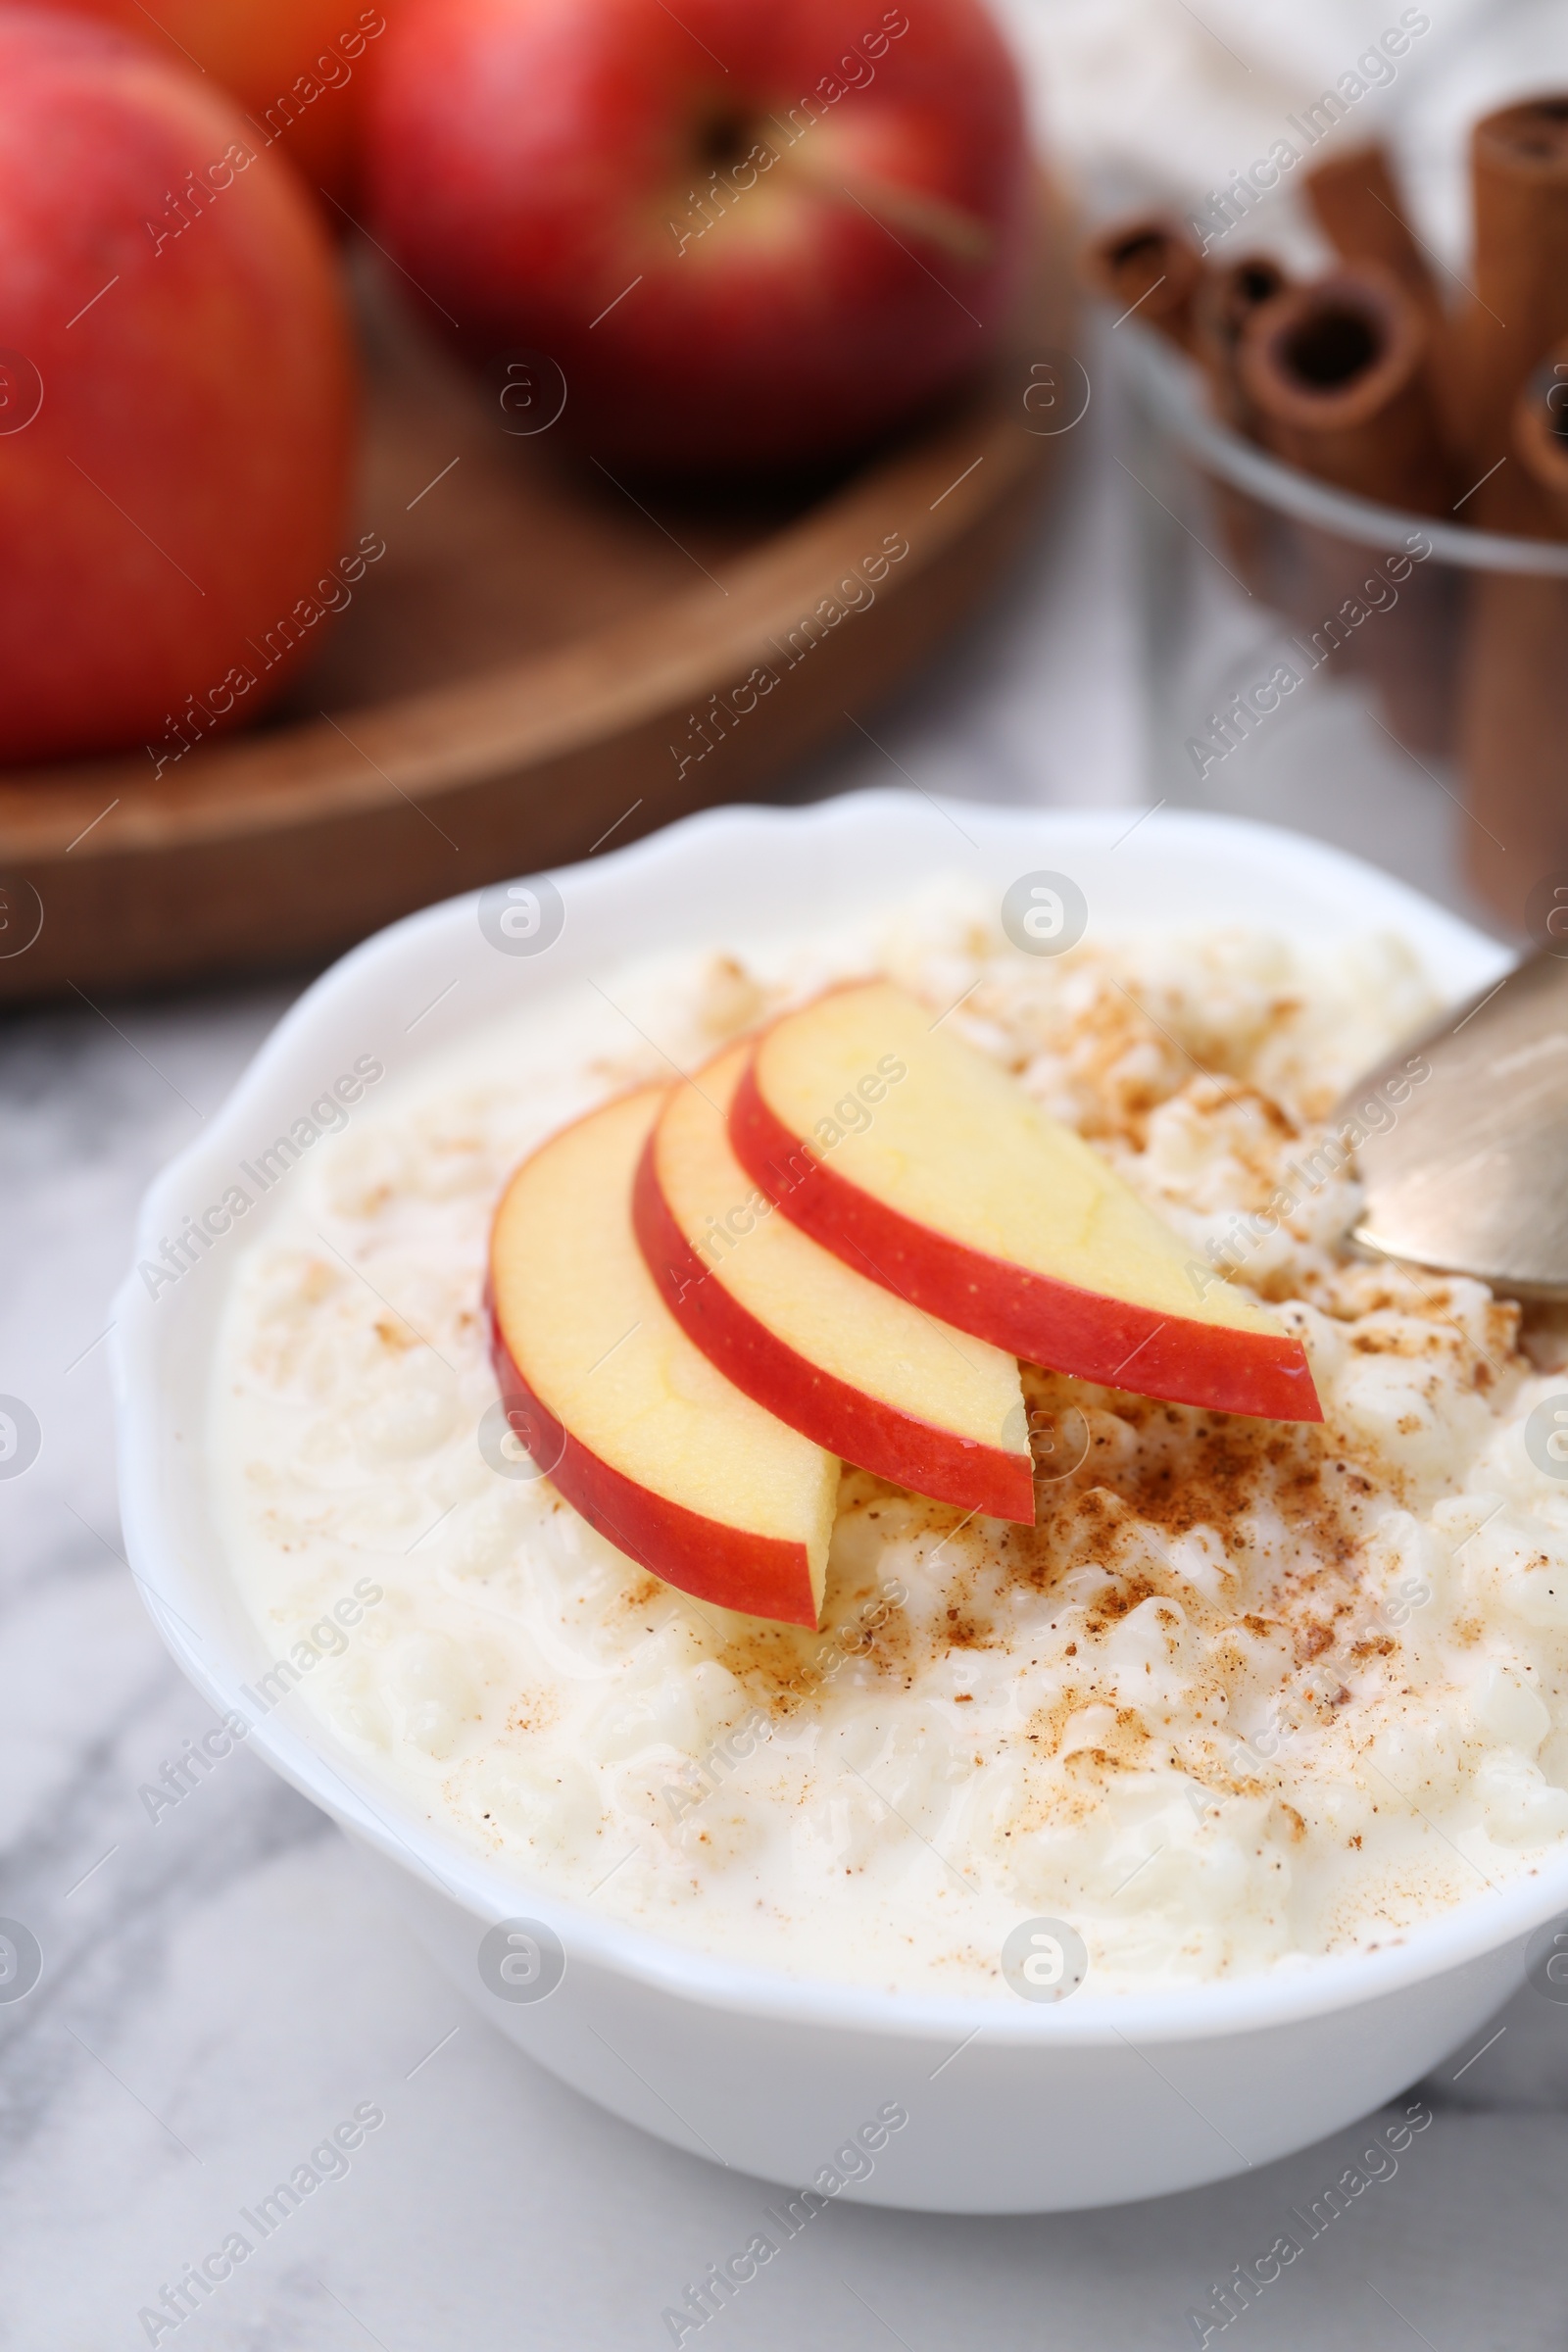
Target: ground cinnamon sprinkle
[(1245, 1694)]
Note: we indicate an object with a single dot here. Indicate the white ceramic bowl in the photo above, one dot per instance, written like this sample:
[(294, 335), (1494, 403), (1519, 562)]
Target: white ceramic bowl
[(1012, 2108)]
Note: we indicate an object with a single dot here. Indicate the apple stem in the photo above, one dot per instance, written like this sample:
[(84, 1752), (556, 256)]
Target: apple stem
[(961, 234)]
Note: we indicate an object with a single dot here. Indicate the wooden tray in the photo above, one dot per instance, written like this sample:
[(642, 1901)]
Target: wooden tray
[(523, 676)]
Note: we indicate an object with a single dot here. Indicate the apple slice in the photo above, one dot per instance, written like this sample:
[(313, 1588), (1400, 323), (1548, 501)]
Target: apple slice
[(636, 1428), (828, 1349), (922, 1164)]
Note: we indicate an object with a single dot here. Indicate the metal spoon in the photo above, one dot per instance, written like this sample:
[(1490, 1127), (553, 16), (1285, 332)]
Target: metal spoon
[(1470, 1173)]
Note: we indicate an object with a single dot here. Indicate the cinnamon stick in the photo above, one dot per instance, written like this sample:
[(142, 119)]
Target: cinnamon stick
[(1336, 373), (1150, 265), (1513, 695), (1223, 303), (1540, 439), (1359, 210), (1519, 174)]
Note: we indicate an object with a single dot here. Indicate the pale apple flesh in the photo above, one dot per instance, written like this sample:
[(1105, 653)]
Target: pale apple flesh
[(834, 1353), (947, 1182), (641, 1433)]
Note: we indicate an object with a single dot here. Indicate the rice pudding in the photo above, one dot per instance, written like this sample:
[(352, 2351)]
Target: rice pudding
[(1248, 1692)]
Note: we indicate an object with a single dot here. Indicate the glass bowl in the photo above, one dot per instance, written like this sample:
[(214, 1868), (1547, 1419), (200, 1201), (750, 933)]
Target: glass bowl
[(1386, 680)]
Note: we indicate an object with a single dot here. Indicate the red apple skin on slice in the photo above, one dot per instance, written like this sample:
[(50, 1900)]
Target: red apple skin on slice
[(950, 1186), (640, 1432), (887, 1387)]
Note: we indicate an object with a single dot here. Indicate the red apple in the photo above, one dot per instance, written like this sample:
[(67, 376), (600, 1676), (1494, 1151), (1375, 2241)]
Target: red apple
[(297, 68), (914, 1158), (176, 401), (747, 233), (824, 1346), (655, 1448)]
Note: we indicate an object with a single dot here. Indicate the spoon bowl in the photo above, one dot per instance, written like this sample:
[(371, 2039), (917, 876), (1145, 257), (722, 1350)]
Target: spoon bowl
[(1471, 1176)]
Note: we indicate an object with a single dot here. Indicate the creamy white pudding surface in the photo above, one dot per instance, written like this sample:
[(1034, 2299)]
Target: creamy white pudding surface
[(1246, 1694)]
